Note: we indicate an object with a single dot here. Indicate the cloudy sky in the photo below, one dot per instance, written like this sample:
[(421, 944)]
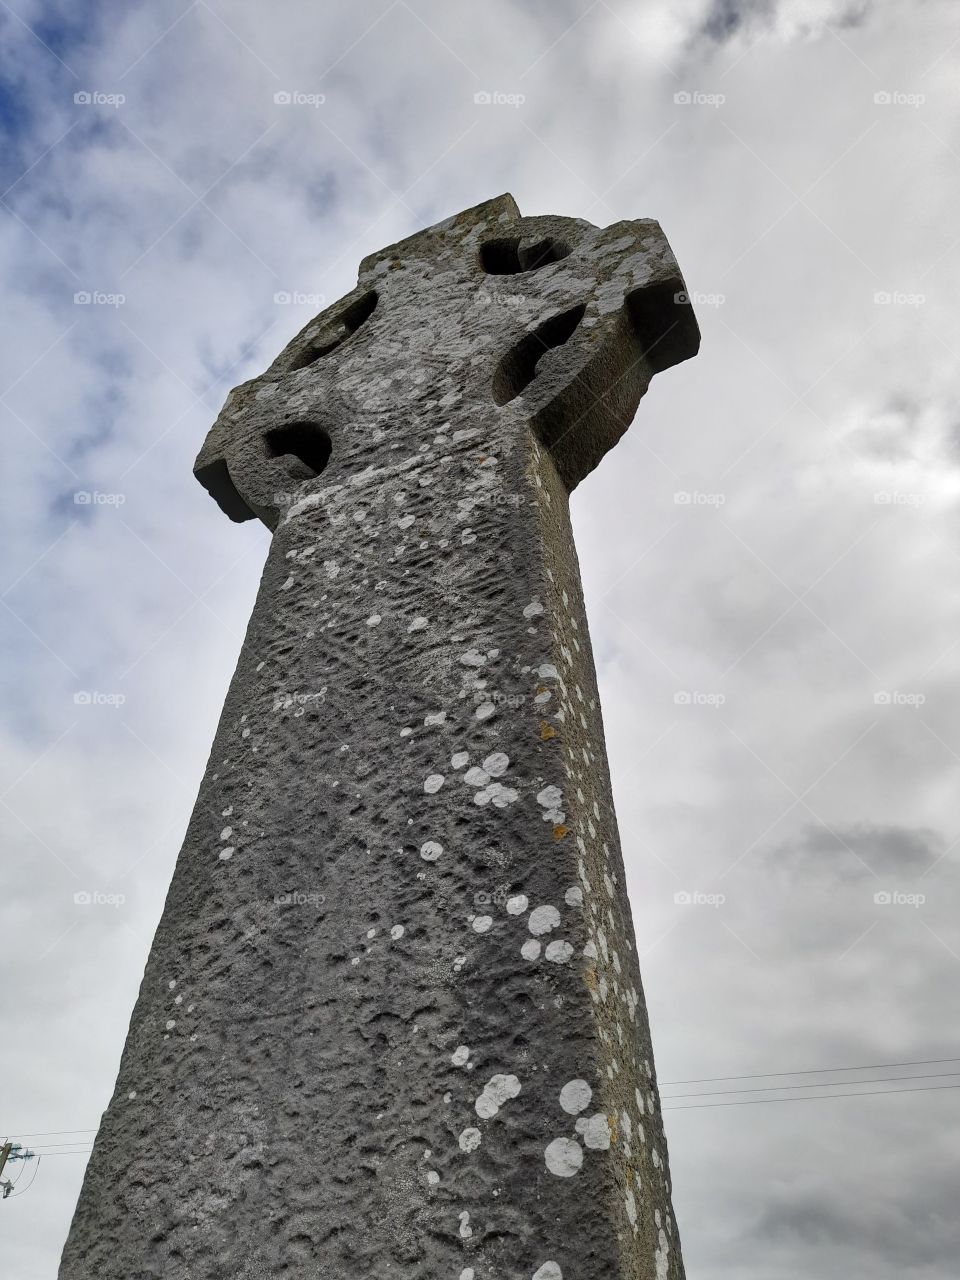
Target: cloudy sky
[(770, 557)]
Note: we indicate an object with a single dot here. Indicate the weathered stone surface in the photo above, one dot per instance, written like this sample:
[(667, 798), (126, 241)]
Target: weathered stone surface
[(392, 1024)]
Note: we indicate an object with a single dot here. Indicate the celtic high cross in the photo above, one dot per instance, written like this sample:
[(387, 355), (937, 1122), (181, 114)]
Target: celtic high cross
[(391, 1025)]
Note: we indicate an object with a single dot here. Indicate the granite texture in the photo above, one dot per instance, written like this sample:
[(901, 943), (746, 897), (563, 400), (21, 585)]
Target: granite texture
[(392, 1023)]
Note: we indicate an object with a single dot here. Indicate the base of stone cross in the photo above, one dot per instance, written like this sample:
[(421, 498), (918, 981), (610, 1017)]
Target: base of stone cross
[(392, 1024)]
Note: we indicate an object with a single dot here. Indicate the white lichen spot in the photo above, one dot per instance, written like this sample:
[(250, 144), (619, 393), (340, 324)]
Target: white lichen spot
[(496, 794), (226, 854), (530, 949), (435, 717), (498, 1090), (595, 1131), (549, 1271), (460, 1054), (397, 932), (496, 764), (473, 658), (558, 952), (466, 1231), (575, 1097), (433, 783), (374, 620), (630, 1204), (470, 1139), (459, 759), (564, 1157), (431, 850), (574, 896), (543, 919), (550, 800), (481, 924), (467, 1273), (418, 624), (484, 711), (533, 609), (517, 905)]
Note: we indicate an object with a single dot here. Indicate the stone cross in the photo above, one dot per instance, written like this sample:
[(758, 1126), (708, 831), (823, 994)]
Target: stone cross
[(391, 1026)]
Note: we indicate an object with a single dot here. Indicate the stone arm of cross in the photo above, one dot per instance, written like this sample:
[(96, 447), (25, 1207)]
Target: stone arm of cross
[(546, 323)]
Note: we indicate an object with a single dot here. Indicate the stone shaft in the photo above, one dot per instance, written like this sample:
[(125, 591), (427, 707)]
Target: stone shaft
[(392, 1023)]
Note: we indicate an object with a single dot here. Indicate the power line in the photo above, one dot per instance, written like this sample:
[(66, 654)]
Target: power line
[(809, 1071), (815, 1097), (53, 1132), (824, 1084), (667, 1084)]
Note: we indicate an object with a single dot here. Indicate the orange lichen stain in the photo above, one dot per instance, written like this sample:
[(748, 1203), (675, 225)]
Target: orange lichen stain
[(612, 1124), (547, 731), (481, 458), (559, 831), (590, 977)]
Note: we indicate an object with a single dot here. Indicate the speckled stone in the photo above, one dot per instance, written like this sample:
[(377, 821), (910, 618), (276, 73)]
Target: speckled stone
[(391, 1026)]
